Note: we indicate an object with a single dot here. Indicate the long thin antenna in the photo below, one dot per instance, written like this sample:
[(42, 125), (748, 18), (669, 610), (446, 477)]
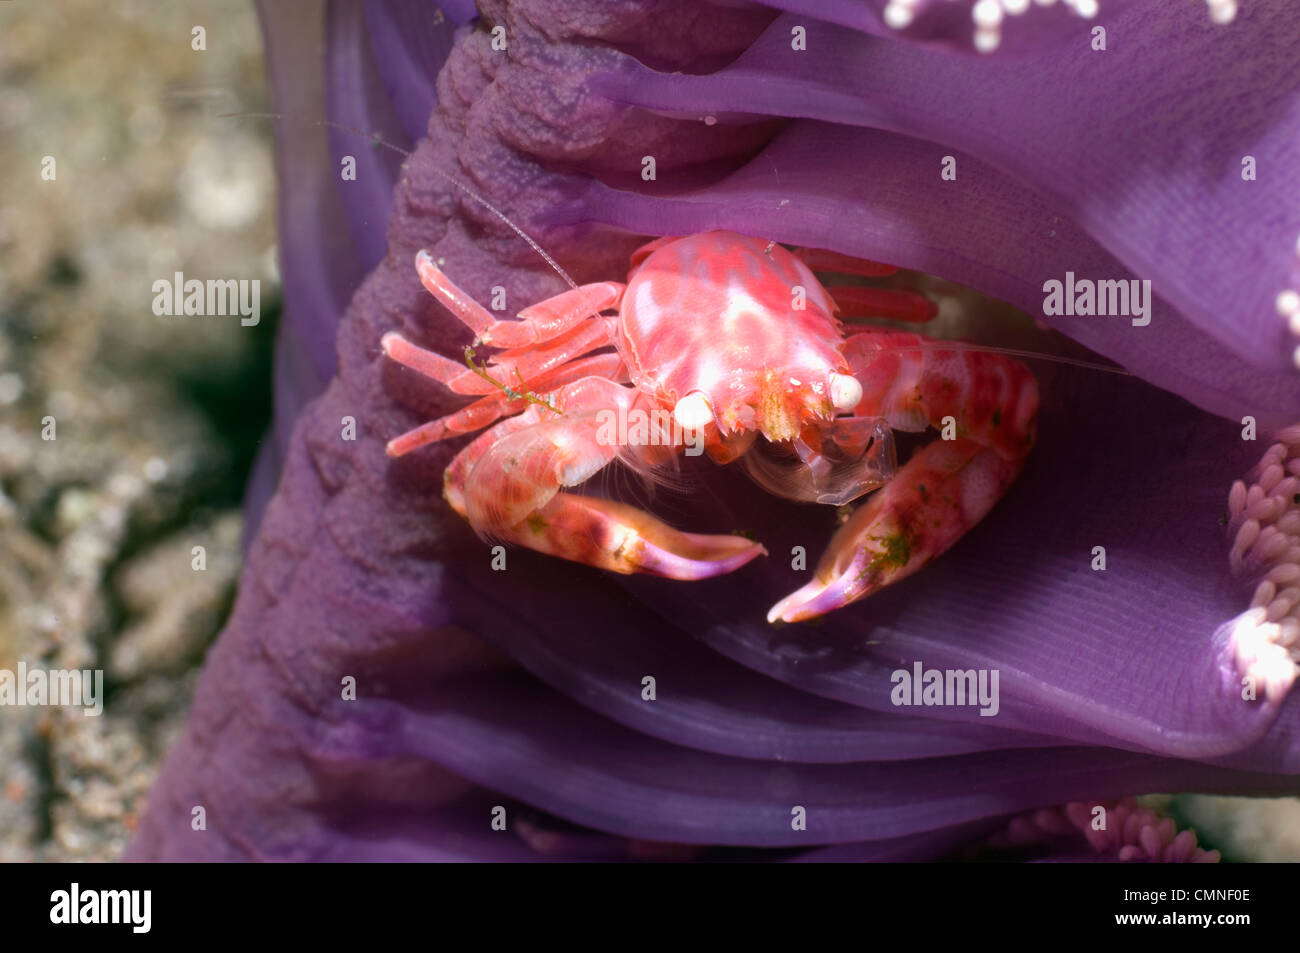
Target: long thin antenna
[(942, 345)]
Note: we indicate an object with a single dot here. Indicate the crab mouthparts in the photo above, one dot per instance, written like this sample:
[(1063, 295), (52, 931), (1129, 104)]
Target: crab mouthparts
[(777, 417), (780, 410)]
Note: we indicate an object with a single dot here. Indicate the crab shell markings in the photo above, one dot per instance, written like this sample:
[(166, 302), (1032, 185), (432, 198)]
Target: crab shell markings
[(739, 338)]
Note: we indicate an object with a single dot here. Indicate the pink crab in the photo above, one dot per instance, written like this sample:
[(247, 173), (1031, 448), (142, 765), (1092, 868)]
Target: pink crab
[(718, 338)]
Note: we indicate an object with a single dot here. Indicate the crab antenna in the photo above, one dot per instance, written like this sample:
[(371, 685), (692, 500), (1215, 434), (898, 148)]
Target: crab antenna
[(1010, 352), (374, 137)]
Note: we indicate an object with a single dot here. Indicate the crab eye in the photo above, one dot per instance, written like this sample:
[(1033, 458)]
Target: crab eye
[(846, 392), (693, 411)]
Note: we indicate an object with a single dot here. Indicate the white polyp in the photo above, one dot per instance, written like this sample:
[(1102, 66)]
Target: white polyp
[(1295, 357), (986, 14), (1266, 510), (1283, 574), (1268, 551), (1268, 535), (1271, 544), (898, 16), (1256, 639), (1237, 498), (1015, 7), (1223, 11), (846, 392), (1271, 477), (1045, 3), (986, 41), (1279, 607), (1288, 632), (1086, 8), (1246, 536), (1265, 534), (1246, 637), (1288, 302), (1284, 506), (1276, 670), (1293, 323), (693, 411)]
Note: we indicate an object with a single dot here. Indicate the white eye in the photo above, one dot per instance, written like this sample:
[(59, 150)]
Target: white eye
[(693, 411), (846, 392)]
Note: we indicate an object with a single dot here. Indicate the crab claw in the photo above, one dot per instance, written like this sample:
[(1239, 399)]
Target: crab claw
[(621, 538), (944, 490), (854, 567)]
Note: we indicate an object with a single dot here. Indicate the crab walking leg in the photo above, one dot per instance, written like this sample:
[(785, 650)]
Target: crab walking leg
[(895, 304), (550, 318), (505, 368), (539, 322), (482, 412), (821, 259), (989, 402), (857, 301), (507, 484)]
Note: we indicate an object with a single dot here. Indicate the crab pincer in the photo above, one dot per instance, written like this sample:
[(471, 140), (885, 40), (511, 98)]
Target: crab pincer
[(508, 482), (988, 402)]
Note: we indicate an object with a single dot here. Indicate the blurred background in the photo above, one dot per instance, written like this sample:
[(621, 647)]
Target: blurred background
[(158, 418)]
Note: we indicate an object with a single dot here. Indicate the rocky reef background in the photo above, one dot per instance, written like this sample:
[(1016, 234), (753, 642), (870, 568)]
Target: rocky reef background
[(157, 419)]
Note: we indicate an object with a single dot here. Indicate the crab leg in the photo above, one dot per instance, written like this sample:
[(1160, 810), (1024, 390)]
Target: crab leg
[(947, 487), (508, 482), (482, 412), (895, 304), (857, 301), (506, 368), (540, 322), (821, 259)]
